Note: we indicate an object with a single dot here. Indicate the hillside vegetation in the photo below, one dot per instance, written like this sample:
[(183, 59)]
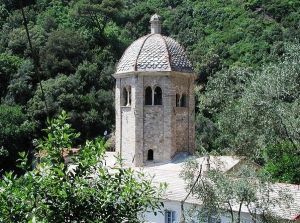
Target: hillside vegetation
[(245, 53)]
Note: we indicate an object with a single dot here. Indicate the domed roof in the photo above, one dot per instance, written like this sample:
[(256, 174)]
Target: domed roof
[(154, 52)]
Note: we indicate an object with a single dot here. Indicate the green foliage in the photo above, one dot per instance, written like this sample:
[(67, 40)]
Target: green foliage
[(222, 34), (61, 93), (15, 134), (63, 52), (84, 190), (3, 152), (9, 64), (20, 86), (225, 194), (78, 43), (282, 162), (82, 94), (254, 109), (17, 42), (60, 135), (14, 4), (3, 14)]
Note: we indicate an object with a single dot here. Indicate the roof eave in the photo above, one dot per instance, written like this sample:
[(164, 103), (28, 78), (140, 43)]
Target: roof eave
[(152, 73)]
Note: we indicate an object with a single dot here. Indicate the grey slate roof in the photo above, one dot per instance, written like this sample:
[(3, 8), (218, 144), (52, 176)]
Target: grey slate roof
[(169, 173), (154, 52)]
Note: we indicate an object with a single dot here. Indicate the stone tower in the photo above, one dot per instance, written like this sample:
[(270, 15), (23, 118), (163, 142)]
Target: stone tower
[(154, 100)]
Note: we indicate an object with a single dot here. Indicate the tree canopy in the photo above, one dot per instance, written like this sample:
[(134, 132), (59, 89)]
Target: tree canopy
[(83, 189), (248, 112), (244, 53)]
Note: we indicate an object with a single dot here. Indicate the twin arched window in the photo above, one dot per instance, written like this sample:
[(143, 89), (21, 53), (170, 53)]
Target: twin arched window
[(181, 100), (177, 100), (153, 97), (148, 96), (157, 96), (126, 100)]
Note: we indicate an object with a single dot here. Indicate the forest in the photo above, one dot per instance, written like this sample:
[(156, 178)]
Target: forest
[(246, 54)]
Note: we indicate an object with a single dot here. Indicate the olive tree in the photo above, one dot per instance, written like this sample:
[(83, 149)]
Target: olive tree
[(230, 194), (245, 112)]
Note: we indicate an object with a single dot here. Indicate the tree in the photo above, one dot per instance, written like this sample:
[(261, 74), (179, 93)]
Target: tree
[(254, 109), (15, 135), (282, 162), (85, 190), (83, 95), (230, 44), (99, 13), (14, 4), (9, 65), (3, 14), (20, 87), (225, 194), (61, 93), (63, 52)]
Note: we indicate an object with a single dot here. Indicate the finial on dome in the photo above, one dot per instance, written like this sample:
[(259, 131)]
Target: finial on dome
[(155, 24)]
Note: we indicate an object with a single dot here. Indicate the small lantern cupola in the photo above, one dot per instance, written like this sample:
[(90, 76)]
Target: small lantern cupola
[(155, 24)]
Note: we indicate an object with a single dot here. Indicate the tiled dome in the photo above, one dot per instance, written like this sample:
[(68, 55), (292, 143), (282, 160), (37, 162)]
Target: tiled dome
[(154, 52)]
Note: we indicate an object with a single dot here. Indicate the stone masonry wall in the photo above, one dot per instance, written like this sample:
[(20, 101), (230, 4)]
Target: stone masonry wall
[(166, 129), (157, 120), (128, 139), (182, 122), (139, 120), (154, 131), (181, 126), (125, 121), (118, 115), (191, 103)]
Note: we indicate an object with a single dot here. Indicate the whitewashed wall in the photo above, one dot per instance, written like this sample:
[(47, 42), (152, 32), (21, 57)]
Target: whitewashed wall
[(160, 218), (175, 206)]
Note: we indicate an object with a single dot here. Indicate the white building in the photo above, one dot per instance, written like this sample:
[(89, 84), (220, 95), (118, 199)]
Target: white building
[(169, 172)]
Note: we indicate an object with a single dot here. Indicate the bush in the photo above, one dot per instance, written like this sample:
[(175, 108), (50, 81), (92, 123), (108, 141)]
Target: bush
[(85, 190)]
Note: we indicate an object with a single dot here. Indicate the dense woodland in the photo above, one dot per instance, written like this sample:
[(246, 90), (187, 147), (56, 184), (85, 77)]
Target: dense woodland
[(246, 54)]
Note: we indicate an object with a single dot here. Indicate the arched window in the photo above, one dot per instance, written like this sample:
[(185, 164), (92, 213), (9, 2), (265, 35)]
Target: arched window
[(157, 96), (148, 96), (177, 100), (129, 96), (125, 97), (183, 102), (126, 100), (150, 155)]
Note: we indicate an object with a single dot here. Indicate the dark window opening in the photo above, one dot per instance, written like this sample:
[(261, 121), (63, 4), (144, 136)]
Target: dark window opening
[(157, 96), (125, 97), (177, 100), (148, 96), (183, 102), (150, 155), (129, 95)]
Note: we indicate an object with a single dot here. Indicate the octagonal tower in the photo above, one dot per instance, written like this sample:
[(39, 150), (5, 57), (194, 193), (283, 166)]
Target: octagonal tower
[(154, 100)]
